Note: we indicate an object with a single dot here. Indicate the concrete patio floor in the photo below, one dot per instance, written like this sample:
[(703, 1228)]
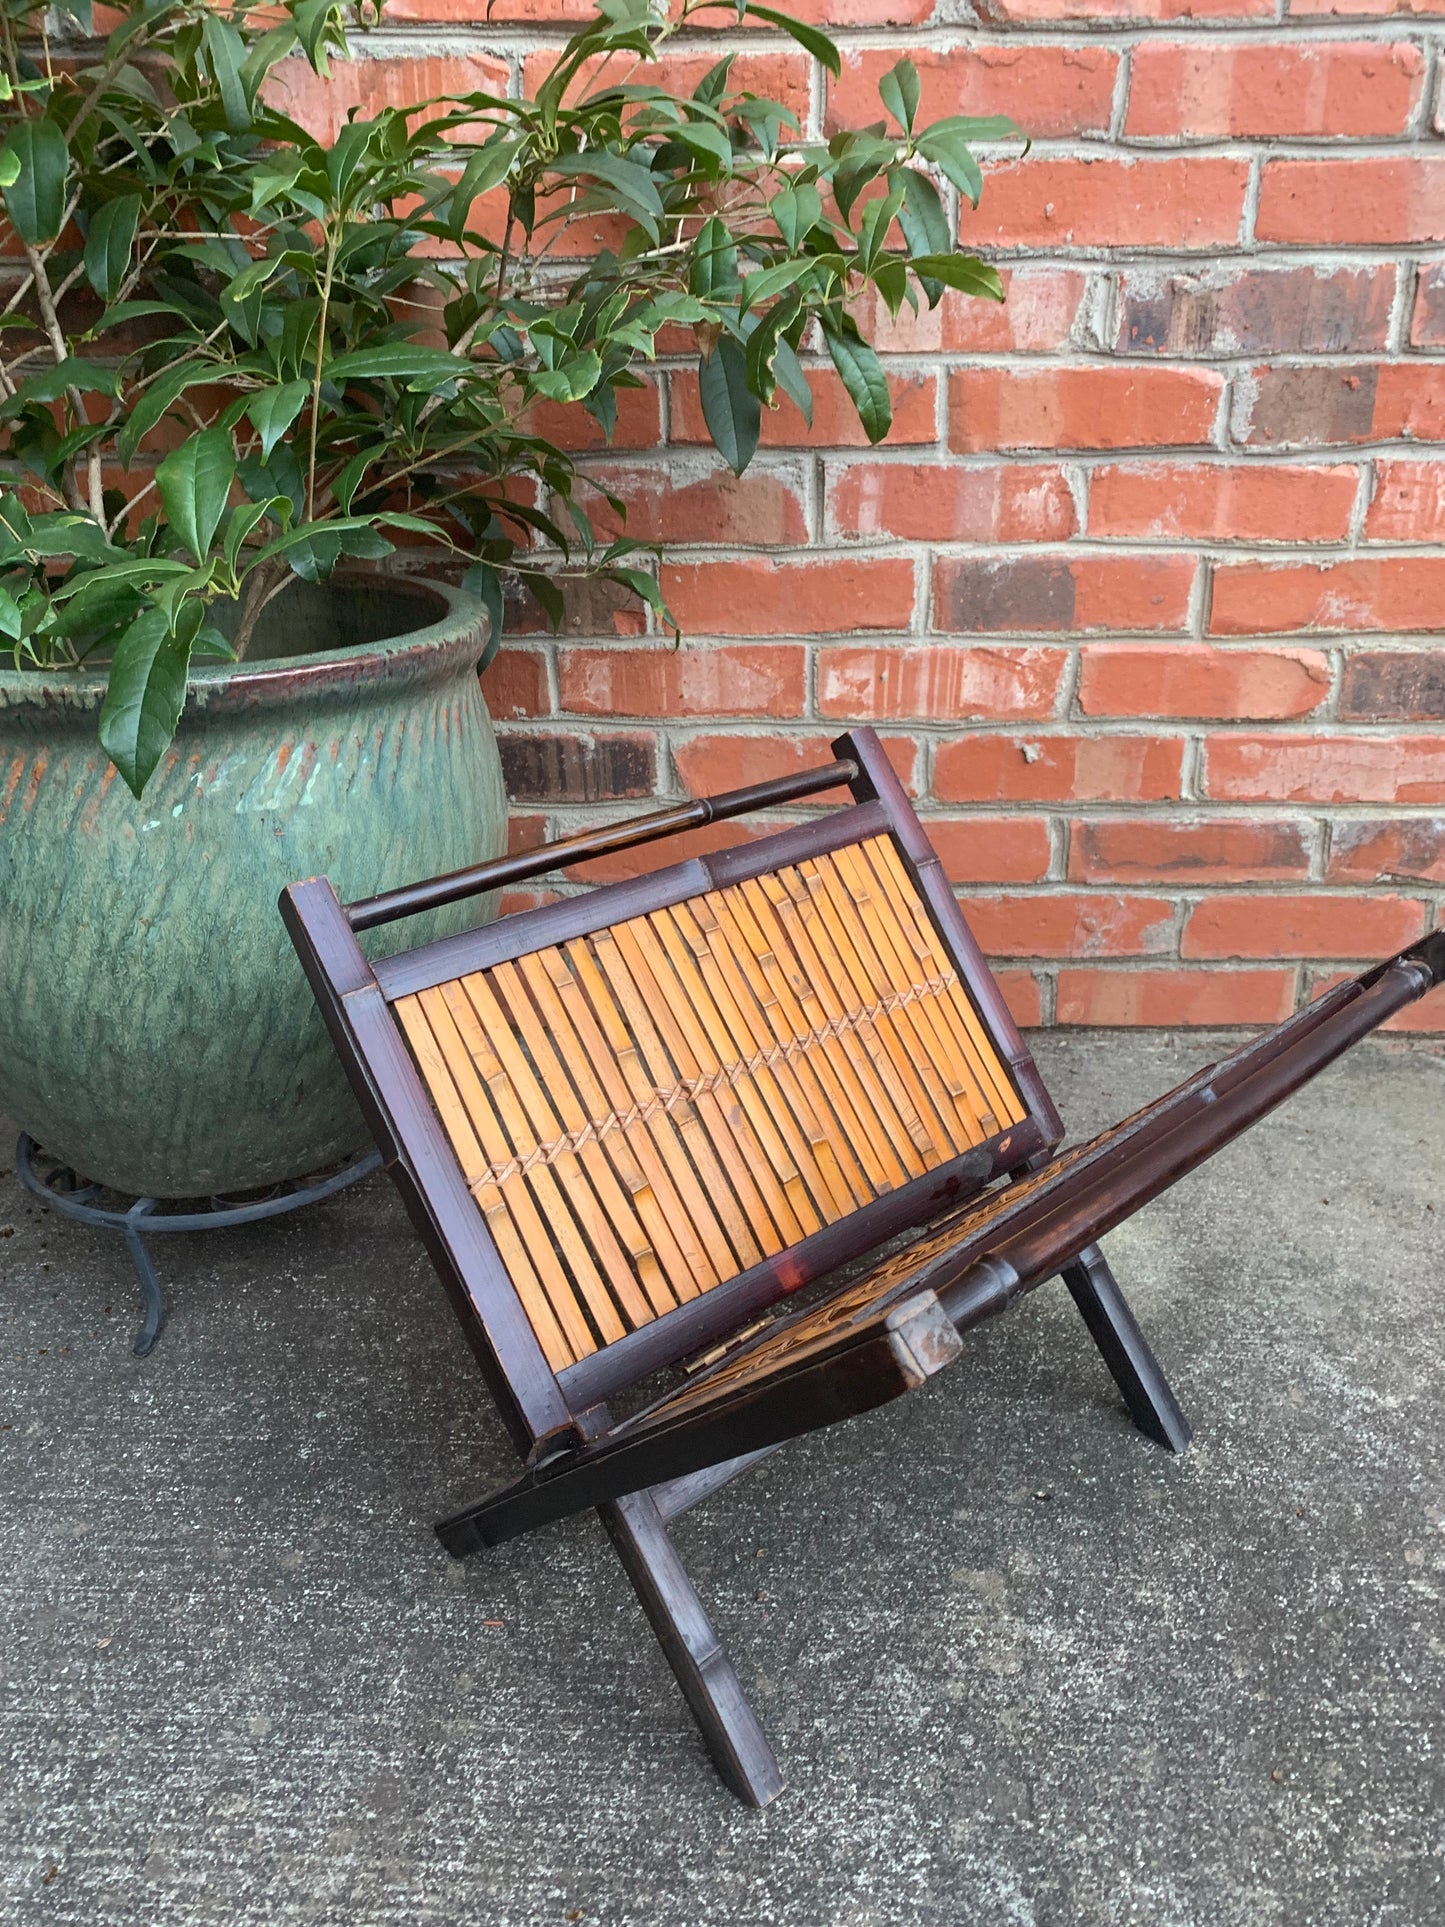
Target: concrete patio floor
[(1021, 1668)]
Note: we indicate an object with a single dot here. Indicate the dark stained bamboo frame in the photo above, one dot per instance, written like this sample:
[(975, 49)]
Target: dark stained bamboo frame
[(866, 1342)]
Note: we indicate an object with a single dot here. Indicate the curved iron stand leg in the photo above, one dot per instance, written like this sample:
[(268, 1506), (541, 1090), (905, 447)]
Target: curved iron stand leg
[(150, 1284), (73, 1197)]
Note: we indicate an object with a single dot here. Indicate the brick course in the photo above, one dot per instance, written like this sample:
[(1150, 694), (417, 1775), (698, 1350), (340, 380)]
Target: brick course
[(1146, 589)]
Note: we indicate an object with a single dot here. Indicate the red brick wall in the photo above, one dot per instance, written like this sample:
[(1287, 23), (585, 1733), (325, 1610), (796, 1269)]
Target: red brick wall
[(1142, 589)]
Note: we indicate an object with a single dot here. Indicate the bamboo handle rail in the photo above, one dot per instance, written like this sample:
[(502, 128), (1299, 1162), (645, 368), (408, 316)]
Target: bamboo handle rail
[(368, 912)]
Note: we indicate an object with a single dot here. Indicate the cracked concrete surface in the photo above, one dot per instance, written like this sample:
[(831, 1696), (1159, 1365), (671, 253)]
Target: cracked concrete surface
[(1021, 1668)]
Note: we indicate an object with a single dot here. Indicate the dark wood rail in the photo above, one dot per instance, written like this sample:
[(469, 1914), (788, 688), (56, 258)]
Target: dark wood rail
[(606, 840)]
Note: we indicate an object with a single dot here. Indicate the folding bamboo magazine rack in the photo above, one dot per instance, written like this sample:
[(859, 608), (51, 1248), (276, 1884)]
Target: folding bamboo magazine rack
[(630, 1126)]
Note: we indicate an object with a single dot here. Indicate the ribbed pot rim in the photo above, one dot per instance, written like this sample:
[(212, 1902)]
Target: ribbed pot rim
[(416, 655)]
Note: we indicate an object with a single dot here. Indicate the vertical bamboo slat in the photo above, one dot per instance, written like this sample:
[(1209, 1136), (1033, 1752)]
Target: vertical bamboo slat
[(532, 1122), (1008, 1104), (752, 915), (751, 1038), (552, 1080), (897, 1027), (685, 1036), (941, 1063), (652, 1142), (695, 1115), (474, 1053), (754, 1125), (667, 1133), (876, 1134), (507, 1209), (634, 1165), (813, 1142)]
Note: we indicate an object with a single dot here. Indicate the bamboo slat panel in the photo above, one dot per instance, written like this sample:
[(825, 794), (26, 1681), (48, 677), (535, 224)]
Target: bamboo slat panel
[(881, 1284), (647, 1111)]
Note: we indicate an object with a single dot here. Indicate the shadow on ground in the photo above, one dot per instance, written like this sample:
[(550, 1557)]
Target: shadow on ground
[(1020, 1667)]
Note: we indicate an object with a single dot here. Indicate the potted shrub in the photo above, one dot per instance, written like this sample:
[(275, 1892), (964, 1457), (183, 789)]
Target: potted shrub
[(249, 382)]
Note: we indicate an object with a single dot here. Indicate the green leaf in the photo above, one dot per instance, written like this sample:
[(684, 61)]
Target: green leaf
[(242, 286), (632, 186), (547, 593), (9, 168), (672, 305), (225, 55), (857, 147), (765, 120), (646, 588), (109, 242), (154, 403), (891, 280), (629, 178), (849, 181), (318, 537), (16, 528), (280, 476), (899, 91), (976, 127), (399, 360), (702, 138), (349, 480), (125, 311), (272, 412), (574, 379), (241, 303), (922, 217), (35, 199), (732, 412), (873, 228), (11, 620), (264, 54), (797, 211), (193, 483), (862, 375), (793, 382), (418, 524), (483, 580), (70, 445), (67, 534), (712, 270), (179, 596), (764, 285), (51, 383), (134, 573), (319, 29), (146, 695), (713, 85), (245, 517), (210, 642), (763, 346), (950, 153), (964, 271), (522, 205), (273, 176), (817, 44), (317, 553), (347, 153), (486, 169)]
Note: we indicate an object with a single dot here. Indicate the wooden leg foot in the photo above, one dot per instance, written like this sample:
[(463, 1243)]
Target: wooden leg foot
[(703, 1670), (1105, 1310)]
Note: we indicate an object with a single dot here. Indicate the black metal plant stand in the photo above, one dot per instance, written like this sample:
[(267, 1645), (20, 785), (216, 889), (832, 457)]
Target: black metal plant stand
[(74, 1197)]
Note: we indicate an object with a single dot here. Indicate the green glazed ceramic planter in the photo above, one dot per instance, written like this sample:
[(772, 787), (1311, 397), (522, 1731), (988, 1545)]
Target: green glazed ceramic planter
[(156, 1031)]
